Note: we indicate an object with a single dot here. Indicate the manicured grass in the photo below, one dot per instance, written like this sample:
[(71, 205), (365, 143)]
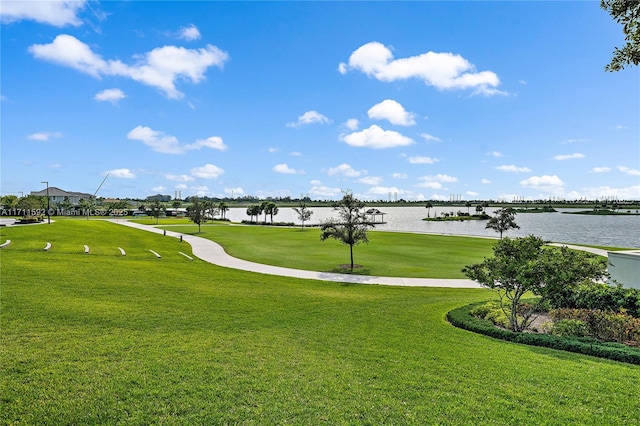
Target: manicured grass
[(102, 338), (387, 254)]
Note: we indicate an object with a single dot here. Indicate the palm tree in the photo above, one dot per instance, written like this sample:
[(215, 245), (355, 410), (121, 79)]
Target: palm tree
[(468, 206), (429, 206), (271, 209), (223, 209)]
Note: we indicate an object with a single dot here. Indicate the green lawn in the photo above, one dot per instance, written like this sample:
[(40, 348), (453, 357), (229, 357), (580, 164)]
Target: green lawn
[(102, 338), (387, 254)]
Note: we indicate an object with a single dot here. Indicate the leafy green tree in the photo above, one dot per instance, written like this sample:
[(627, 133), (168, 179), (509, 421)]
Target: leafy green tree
[(254, 210), (429, 206), (66, 204), (351, 228), (156, 209), (304, 214), (32, 202), (223, 209), (627, 13), (503, 220), (468, 206), (196, 212), (270, 209), (524, 265), (263, 209), (9, 201)]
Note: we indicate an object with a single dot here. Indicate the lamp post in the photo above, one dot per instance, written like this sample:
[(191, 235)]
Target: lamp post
[(48, 212)]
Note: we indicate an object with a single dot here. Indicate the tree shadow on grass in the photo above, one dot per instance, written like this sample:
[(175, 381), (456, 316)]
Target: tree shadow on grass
[(346, 269)]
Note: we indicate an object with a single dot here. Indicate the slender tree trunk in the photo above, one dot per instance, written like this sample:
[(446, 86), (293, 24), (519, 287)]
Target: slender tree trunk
[(351, 250)]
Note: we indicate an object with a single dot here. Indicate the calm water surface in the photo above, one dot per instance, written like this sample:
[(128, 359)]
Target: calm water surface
[(616, 231)]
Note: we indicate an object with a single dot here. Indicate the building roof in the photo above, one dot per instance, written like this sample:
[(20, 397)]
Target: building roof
[(57, 192)]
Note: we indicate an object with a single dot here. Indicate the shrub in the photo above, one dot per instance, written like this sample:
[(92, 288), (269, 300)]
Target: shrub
[(462, 318), (570, 328), (599, 296), (603, 325)]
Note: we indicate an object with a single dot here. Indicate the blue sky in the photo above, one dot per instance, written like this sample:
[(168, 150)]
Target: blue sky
[(426, 100)]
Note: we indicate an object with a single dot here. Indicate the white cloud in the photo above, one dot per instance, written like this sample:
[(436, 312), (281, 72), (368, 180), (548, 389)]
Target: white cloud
[(310, 117), (110, 95), (213, 142), (430, 184), (295, 154), (201, 191), (512, 168), (121, 173), (422, 160), (485, 181), (621, 127), (496, 154), (393, 112), (158, 189), (343, 170), (430, 138), (376, 138), (315, 182), (628, 193), (44, 136), (208, 171), (545, 183), (168, 144), (57, 13), (285, 169), (178, 178), (435, 182), (235, 192), (472, 193), (271, 150), (324, 192), (189, 33), (370, 180), (181, 187), (629, 170), (352, 124), (157, 140), (568, 156), (159, 68), (55, 166), (445, 71), (574, 140), (400, 175), (600, 170)]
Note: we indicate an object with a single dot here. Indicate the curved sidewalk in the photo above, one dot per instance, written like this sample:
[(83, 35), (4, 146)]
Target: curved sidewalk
[(212, 252)]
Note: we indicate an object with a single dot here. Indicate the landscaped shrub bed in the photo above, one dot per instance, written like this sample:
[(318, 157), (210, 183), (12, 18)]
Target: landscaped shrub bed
[(463, 318)]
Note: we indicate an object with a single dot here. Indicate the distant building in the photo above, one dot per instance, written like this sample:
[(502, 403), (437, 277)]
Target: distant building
[(57, 195)]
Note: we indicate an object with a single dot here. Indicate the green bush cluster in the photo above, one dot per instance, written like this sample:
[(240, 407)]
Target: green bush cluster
[(603, 325), (598, 296), (493, 312), (463, 318)]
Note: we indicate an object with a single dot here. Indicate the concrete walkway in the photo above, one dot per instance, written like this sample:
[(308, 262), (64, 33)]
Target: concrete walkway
[(212, 252)]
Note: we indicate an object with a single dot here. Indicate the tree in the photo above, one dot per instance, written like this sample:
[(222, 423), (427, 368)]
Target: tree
[(503, 220), (223, 209), (271, 209), (156, 209), (479, 208), (524, 265), (196, 212), (429, 206), (9, 201), (176, 204), (254, 210), (351, 228), (304, 214), (627, 13), (468, 206), (263, 208)]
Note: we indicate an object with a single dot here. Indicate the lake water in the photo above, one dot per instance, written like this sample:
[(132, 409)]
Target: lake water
[(616, 231)]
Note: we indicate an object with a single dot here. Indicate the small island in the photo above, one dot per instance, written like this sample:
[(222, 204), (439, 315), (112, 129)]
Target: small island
[(458, 216)]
